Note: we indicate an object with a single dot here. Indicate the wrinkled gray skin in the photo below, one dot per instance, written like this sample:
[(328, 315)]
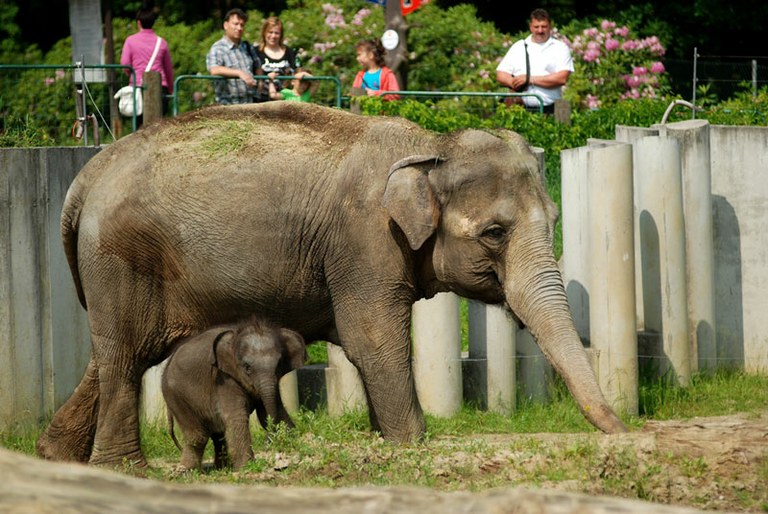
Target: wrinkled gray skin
[(215, 380), (322, 221)]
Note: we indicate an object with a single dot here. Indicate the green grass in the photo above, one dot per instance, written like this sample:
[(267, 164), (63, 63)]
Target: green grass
[(539, 445)]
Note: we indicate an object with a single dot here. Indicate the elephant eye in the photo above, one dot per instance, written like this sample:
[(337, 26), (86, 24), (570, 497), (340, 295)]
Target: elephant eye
[(494, 232), (247, 367)]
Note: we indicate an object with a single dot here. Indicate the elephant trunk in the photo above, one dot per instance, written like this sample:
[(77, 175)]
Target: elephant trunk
[(269, 393), (540, 302)]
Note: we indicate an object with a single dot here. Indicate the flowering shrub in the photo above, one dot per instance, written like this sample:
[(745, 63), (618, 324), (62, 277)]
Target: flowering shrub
[(611, 65)]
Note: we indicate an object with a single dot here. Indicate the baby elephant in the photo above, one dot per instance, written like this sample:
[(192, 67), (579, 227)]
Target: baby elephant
[(215, 380)]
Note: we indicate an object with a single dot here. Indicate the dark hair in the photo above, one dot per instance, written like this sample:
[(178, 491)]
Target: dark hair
[(236, 12), (147, 17), (375, 47), (540, 14)]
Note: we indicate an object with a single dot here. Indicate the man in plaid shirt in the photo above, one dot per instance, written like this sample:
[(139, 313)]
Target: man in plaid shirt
[(233, 58)]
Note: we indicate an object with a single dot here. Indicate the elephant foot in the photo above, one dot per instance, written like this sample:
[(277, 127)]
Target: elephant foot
[(60, 445), (132, 462)]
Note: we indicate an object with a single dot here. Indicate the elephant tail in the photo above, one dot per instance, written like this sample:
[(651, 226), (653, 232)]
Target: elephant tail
[(70, 219), (170, 429)]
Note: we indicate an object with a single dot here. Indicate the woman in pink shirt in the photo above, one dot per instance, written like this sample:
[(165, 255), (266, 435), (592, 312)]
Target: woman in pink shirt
[(138, 49)]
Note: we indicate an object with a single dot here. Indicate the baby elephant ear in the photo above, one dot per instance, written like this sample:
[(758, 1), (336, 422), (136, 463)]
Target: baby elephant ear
[(409, 199), (222, 350), (296, 349)]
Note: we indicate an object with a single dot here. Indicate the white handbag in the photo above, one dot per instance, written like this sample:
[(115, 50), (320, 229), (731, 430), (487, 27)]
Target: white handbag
[(125, 95)]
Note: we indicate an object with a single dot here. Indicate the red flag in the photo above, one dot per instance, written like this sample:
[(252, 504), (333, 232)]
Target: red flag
[(408, 6)]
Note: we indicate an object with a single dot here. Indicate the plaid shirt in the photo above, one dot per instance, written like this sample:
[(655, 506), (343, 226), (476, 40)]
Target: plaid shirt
[(236, 56)]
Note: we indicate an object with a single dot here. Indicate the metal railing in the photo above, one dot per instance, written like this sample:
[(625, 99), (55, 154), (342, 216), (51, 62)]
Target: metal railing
[(469, 94), (81, 105), (182, 78)]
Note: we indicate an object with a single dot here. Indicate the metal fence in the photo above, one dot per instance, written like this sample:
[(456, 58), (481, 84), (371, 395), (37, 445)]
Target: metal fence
[(719, 76), (63, 101), (195, 91)]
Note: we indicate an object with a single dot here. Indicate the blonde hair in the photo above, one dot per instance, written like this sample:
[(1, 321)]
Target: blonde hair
[(269, 23)]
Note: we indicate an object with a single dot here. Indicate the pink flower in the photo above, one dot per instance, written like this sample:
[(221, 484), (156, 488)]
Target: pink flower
[(49, 80), (197, 96), (622, 31), (632, 80), (607, 25), (59, 74), (335, 20), (629, 45), (591, 55), (484, 74), (593, 102), (591, 32), (611, 44), (360, 16), (639, 70), (657, 67)]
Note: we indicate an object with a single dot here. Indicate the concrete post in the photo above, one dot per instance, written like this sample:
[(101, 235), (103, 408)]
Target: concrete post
[(152, 407), (631, 135), (437, 354), (575, 262), (612, 320), (693, 138), (345, 388), (662, 241), (289, 392), (534, 373), (492, 338)]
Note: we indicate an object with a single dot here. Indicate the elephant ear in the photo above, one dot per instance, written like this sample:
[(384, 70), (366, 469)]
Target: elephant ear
[(409, 199), (295, 348), (223, 352)]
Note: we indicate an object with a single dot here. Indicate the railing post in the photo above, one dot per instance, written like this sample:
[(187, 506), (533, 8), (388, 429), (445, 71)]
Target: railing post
[(153, 97)]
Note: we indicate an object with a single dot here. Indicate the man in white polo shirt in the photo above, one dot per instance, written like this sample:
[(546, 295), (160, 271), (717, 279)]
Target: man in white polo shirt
[(538, 64)]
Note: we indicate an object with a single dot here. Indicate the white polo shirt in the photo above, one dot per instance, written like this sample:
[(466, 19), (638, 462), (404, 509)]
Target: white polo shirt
[(545, 58)]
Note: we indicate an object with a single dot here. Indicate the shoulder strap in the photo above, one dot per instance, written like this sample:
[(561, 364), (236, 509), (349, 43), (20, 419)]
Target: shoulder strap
[(154, 55)]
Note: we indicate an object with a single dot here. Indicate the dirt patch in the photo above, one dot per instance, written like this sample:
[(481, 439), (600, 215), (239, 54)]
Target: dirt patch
[(716, 463)]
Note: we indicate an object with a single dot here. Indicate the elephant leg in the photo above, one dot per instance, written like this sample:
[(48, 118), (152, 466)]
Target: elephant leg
[(238, 436), (117, 440), (192, 451), (220, 451), (70, 435), (377, 342)]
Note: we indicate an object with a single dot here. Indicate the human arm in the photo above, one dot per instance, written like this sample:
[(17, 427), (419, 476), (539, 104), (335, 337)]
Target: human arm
[(274, 94), (513, 82), (232, 73), (168, 67), (126, 57), (552, 80)]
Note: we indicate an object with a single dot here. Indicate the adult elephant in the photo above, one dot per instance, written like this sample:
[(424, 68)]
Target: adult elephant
[(322, 221)]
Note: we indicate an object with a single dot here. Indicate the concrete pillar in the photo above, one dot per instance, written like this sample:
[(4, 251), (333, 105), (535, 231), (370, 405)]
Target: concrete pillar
[(662, 241), (492, 338), (631, 135), (534, 373), (437, 354), (152, 407), (612, 320), (289, 392), (693, 138), (345, 388), (575, 263)]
